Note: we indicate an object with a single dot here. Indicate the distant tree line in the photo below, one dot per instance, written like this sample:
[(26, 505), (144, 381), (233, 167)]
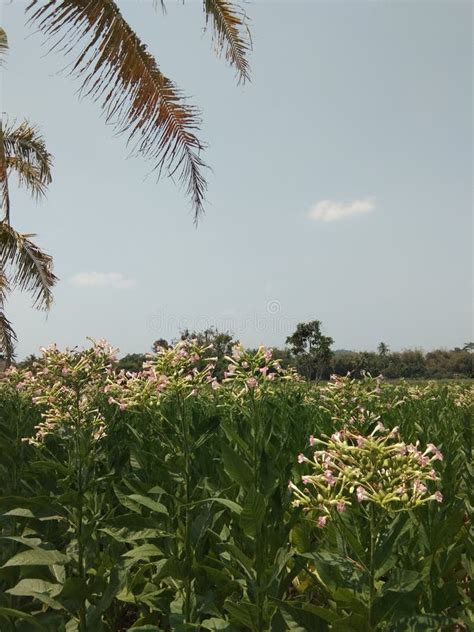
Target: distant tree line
[(310, 353)]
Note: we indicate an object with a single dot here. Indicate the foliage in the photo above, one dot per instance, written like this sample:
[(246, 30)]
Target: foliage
[(312, 349), (116, 69), (22, 263), (159, 500)]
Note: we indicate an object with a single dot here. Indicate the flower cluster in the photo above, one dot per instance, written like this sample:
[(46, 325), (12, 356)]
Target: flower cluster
[(180, 369), (355, 403), (353, 469), (67, 387), (250, 371)]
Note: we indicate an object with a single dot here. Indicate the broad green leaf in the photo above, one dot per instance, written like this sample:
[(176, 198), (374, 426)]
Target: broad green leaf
[(236, 467), (253, 513), (401, 581), (149, 503), (143, 552), (37, 557), (242, 613), (11, 613), (31, 587), (215, 624)]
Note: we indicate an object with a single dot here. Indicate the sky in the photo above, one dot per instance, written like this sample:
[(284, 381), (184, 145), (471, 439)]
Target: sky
[(340, 189)]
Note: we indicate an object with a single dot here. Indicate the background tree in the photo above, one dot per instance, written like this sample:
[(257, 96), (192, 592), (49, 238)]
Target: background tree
[(161, 342), (220, 345), (312, 350), (117, 70), (383, 349)]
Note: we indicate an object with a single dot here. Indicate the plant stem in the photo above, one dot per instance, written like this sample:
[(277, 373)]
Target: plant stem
[(80, 515), (187, 516), (372, 536)]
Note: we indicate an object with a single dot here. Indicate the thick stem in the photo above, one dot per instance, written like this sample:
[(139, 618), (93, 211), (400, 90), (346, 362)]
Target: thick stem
[(187, 516), (372, 541), (79, 467), (259, 536)]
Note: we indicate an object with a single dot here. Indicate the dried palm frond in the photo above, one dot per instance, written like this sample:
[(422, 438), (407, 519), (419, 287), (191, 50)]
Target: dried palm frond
[(3, 45), (25, 153), (231, 33), (117, 70), (32, 269), (7, 335), (5, 201)]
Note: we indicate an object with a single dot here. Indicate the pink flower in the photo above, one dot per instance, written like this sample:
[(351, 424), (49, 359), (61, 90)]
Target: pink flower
[(312, 440), (214, 385), (322, 520), (245, 364), (123, 405), (237, 352), (267, 355), (231, 369), (431, 448), (329, 476), (336, 436), (251, 382), (341, 506), (361, 494), (301, 458), (438, 496), (418, 487), (361, 441), (305, 480), (264, 370)]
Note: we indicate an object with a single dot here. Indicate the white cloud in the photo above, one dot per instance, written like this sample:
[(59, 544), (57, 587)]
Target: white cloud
[(330, 211), (115, 280)]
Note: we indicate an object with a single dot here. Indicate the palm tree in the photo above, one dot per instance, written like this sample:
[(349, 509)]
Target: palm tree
[(22, 263), (117, 70)]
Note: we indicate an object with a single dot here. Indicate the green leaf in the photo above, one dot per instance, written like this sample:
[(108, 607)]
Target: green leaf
[(301, 617), (236, 467), (11, 613), (149, 503), (215, 624), (228, 503), (37, 557), (31, 587), (143, 552), (401, 581), (242, 613), (253, 513)]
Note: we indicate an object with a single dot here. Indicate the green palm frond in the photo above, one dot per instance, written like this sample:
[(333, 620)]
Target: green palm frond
[(3, 45), (231, 33), (25, 153), (117, 70), (32, 269)]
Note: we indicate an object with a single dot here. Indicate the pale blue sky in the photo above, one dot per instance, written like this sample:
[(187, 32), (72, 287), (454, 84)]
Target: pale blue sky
[(365, 104)]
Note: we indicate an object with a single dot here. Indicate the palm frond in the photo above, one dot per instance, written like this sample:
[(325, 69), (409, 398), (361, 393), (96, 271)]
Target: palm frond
[(32, 269), (28, 175), (231, 33), (3, 45), (25, 152), (5, 201), (117, 70), (7, 335)]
